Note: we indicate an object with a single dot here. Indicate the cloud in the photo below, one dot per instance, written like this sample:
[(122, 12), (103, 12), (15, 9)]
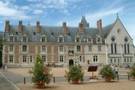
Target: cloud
[(12, 12), (38, 11), (103, 13)]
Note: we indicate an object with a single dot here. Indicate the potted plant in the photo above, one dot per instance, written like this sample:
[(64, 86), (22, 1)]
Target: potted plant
[(108, 73), (40, 73), (132, 72), (75, 74)]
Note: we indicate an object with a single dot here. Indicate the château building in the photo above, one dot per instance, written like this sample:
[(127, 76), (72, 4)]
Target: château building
[(66, 45)]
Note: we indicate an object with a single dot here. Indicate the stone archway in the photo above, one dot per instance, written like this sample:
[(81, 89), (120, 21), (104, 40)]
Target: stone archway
[(71, 62)]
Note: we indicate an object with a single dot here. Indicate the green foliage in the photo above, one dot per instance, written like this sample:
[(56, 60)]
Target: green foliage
[(75, 73), (41, 74), (107, 72), (132, 72)]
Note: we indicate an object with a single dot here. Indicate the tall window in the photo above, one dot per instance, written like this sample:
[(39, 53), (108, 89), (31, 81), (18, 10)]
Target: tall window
[(90, 48), (78, 48), (99, 47), (10, 58), (24, 58), (95, 59), (126, 46), (89, 40), (61, 58), (43, 48), (113, 48), (31, 59), (11, 48), (61, 48), (24, 48), (44, 58), (80, 58)]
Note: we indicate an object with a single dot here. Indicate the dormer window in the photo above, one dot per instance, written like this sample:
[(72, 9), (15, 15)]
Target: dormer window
[(60, 39), (98, 40), (43, 39), (16, 33), (11, 39), (52, 33), (77, 39), (34, 33), (85, 40), (89, 40)]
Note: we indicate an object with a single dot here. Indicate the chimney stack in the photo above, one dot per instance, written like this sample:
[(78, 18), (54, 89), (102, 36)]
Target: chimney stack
[(38, 27), (65, 28), (81, 27), (20, 26), (7, 26), (99, 25)]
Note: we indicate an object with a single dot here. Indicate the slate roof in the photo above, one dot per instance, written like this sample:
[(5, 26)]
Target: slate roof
[(53, 32)]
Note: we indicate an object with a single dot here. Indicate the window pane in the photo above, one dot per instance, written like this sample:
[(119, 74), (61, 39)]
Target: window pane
[(44, 58), (78, 48), (24, 58), (24, 48), (61, 58), (43, 48), (11, 58)]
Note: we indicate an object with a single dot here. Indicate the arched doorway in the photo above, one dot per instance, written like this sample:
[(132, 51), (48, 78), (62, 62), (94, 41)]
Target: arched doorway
[(71, 62)]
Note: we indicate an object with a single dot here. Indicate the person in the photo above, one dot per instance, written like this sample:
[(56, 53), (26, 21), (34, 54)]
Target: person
[(117, 72)]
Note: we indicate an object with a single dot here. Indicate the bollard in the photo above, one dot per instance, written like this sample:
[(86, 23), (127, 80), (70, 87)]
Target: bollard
[(24, 80), (128, 77), (53, 79), (118, 77)]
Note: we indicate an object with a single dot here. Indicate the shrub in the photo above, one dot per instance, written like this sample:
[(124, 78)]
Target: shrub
[(107, 73), (132, 72), (41, 74), (75, 74)]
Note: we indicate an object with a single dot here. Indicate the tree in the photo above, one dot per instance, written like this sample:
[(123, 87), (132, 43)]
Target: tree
[(41, 75), (75, 74), (107, 73)]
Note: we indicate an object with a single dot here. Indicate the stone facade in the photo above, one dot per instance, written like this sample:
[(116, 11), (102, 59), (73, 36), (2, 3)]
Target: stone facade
[(66, 45)]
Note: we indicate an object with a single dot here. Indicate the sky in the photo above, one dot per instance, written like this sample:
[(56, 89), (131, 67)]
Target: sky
[(54, 12)]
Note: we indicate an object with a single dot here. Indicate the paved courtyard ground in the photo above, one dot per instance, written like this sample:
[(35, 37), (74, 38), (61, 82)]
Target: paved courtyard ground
[(5, 84), (16, 75), (100, 85)]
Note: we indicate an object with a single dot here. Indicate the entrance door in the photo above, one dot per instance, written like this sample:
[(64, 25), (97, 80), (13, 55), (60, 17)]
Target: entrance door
[(71, 62)]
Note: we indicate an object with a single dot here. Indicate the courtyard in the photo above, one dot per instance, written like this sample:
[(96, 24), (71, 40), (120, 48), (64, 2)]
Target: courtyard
[(17, 75)]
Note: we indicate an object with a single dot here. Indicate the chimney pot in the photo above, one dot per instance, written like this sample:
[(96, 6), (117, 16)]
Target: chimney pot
[(64, 24), (20, 22), (7, 26), (38, 23), (38, 27), (65, 28), (81, 27), (99, 25), (20, 26)]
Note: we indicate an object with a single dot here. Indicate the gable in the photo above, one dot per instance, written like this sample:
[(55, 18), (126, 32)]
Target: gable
[(119, 32)]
